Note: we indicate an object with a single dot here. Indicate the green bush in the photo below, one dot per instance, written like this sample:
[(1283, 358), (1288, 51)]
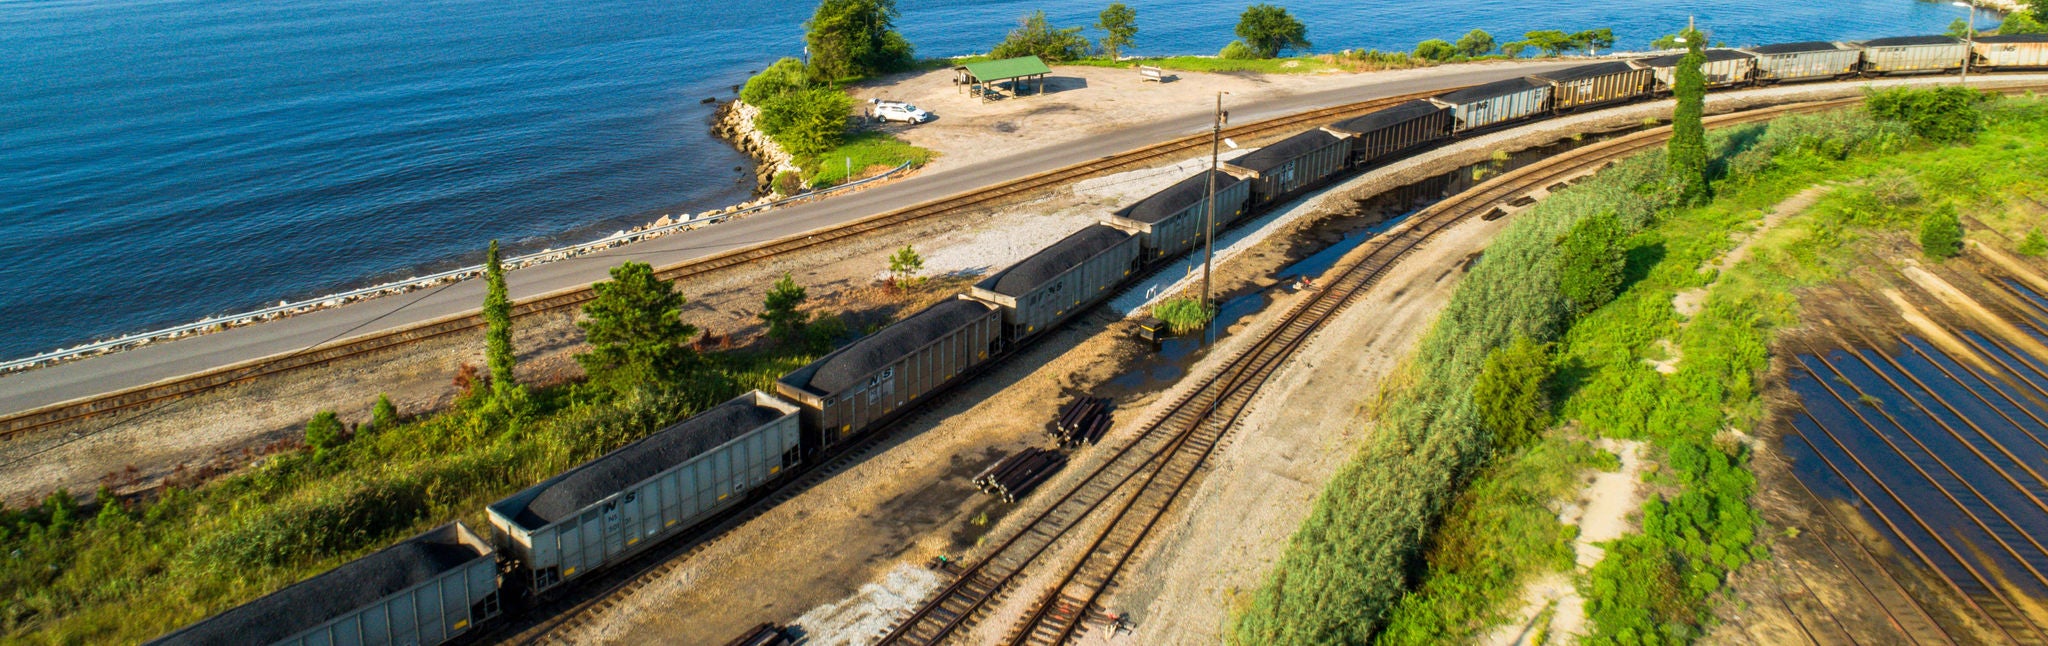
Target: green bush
[(1035, 36), (1238, 51), (1435, 49), (2020, 23), (1184, 315), (383, 414), (785, 76), (324, 431), (1512, 394), (1591, 263), (1475, 43), (807, 122), (1941, 233), (1944, 114), (2035, 244)]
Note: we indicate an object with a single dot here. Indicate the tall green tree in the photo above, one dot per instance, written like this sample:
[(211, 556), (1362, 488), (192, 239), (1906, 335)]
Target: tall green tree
[(1435, 49), (1941, 233), (1035, 36), (1593, 40), (1591, 263), (850, 39), (1512, 393), (498, 326), (780, 310), (1119, 25), (1551, 41), (1475, 43), (1686, 153), (1269, 30), (635, 329)]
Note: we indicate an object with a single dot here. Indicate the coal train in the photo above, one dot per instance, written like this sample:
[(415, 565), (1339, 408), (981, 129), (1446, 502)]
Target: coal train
[(442, 584)]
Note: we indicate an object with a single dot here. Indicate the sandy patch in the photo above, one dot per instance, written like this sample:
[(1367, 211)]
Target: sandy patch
[(1602, 513), (857, 619)]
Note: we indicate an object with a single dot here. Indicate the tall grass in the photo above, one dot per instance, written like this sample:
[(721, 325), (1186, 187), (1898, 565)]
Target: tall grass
[(862, 154)]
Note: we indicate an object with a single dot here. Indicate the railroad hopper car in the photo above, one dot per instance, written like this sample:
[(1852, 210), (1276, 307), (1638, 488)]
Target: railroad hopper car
[(1170, 222), (617, 505), (427, 590), (1492, 104), (1597, 84), (1913, 54), (1039, 292), (867, 382), (1724, 68), (1807, 61), (1291, 165), (1387, 133), (2015, 52)]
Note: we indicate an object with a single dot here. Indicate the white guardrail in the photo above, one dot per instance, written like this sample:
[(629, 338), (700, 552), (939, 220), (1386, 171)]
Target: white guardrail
[(214, 323)]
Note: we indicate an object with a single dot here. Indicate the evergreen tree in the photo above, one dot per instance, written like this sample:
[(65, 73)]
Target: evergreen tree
[(780, 311), (1511, 393), (323, 431), (1941, 234), (1591, 263), (1119, 24), (383, 415), (635, 329), (498, 326), (904, 265), (1687, 152)]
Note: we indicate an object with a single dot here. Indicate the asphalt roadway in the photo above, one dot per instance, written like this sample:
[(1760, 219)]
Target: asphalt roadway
[(168, 360)]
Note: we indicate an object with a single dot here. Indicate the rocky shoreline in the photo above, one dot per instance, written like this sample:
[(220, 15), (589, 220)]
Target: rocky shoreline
[(734, 122)]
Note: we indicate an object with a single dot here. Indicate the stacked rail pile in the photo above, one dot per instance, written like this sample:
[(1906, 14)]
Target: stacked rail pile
[(1016, 476), (1081, 422)]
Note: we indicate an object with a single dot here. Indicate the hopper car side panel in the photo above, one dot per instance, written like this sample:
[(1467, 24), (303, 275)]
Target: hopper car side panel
[(1305, 170), (1601, 90), (630, 520), (1807, 66), (831, 417), (1380, 144), (1905, 59), (1719, 74), (1182, 231), (1074, 290), (2013, 55), (1476, 115)]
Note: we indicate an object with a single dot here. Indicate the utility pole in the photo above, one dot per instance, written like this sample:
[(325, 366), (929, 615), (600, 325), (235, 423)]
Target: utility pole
[(1970, 39), (1209, 224)]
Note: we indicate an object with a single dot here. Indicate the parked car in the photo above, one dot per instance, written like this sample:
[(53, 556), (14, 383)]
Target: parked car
[(899, 111)]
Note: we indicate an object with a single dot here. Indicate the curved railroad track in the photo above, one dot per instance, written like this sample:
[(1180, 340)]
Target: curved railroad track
[(1143, 480), (141, 397)]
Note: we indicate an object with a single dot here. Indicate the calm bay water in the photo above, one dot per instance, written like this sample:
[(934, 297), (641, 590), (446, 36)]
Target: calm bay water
[(164, 160)]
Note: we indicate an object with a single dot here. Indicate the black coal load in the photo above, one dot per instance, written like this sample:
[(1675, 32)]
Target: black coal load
[(1015, 477), (1052, 261), (1177, 198), (1081, 422), (330, 595), (852, 365), (644, 459)]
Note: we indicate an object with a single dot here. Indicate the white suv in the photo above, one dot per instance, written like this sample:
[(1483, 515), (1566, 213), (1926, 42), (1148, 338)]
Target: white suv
[(899, 111)]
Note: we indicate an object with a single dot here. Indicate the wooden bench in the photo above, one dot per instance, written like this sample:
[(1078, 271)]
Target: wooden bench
[(1150, 73)]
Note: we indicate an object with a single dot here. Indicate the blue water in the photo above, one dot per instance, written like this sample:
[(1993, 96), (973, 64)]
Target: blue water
[(165, 160)]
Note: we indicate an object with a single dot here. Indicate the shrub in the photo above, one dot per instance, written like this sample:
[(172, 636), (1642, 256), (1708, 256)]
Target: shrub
[(383, 415), (1512, 393), (783, 77), (1238, 51), (904, 266), (1941, 233), (1475, 43), (807, 122), (780, 311), (788, 183), (1435, 49), (1184, 315), (2034, 245), (1591, 261), (324, 431), (1944, 114), (1035, 36), (2021, 23)]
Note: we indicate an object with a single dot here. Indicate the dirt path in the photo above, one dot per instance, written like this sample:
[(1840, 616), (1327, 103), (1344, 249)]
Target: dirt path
[(1552, 610), (1689, 302)]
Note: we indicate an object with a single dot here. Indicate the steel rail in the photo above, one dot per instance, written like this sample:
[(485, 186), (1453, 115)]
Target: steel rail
[(1872, 560)]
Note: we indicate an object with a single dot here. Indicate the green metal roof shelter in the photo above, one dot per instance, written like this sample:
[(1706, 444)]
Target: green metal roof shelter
[(1006, 76)]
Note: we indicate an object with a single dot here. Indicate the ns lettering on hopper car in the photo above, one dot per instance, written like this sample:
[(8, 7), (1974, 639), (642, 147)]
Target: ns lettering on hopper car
[(446, 582)]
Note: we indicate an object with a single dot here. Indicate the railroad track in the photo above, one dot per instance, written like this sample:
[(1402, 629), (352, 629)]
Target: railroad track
[(16, 424)]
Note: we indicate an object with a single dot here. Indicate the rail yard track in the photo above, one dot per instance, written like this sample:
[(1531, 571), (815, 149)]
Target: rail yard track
[(1147, 476), (141, 397)]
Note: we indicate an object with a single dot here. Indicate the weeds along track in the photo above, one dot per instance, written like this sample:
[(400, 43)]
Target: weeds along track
[(1138, 485), (16, 424)]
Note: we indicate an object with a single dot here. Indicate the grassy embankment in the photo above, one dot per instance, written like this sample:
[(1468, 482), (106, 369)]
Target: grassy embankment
[(128, 572), (865, 153), (1430, 534)]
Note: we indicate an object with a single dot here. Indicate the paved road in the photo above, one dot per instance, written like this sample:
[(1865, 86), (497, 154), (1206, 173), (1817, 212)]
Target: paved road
[(167, 360)]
